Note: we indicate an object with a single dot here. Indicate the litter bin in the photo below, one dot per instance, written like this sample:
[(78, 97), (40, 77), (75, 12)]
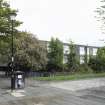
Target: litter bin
[(19, 80)]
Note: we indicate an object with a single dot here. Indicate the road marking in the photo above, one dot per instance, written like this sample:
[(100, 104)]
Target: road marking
[(17, 94)]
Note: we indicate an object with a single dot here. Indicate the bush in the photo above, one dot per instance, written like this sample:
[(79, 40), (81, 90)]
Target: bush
[(84, 68), (97, 64)]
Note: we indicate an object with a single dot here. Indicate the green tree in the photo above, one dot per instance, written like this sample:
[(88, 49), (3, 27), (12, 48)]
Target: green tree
[(72, 59), (5, 20), (85, 56), (6, 29), (55, 55), (29, 52), (101, 53), (97, 63)]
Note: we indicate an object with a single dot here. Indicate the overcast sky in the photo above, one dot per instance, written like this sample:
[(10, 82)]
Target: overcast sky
[(65, 19)]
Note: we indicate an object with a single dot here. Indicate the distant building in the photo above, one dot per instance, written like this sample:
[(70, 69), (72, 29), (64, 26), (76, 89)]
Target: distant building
[(81, 50)]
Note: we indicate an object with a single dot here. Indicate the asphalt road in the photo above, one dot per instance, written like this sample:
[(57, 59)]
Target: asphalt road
[(45, 93)]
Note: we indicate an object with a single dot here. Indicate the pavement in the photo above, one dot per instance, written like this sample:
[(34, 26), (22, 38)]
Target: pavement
[(81, 92), (79, 84)]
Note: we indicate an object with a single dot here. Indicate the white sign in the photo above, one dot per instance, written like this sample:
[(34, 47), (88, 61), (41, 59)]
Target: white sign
[(19, 76)]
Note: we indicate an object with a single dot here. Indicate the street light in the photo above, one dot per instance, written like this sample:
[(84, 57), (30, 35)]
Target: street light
[(12, 17)]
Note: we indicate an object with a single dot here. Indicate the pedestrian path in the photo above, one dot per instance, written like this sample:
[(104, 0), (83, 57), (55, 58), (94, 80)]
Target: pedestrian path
[(79, 84), (38, 93)]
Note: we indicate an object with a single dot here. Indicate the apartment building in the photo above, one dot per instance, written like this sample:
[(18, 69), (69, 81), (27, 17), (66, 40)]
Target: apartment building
[(81, 50)]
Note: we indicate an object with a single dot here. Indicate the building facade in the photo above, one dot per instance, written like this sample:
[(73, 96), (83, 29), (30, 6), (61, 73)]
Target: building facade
[(81, 50)]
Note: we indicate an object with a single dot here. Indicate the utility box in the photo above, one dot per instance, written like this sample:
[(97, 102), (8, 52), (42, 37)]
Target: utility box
[(19, 80)]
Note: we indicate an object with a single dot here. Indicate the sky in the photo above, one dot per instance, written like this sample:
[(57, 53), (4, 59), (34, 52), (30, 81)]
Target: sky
[(65, 19)]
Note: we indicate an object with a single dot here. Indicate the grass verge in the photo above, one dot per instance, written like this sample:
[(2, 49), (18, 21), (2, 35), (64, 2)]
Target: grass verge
[(70, 77)]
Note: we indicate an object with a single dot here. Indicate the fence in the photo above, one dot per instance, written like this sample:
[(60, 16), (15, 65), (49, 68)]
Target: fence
[(45, 74)]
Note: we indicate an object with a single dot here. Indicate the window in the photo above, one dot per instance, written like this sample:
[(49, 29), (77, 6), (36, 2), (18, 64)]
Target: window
[(82, 51)]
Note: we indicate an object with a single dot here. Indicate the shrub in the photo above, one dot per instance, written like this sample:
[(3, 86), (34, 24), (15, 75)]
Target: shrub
[(97, 64), (84, 68)]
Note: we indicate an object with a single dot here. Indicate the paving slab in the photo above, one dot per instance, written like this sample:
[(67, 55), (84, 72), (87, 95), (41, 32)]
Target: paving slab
[(79, 84), (43, 93)]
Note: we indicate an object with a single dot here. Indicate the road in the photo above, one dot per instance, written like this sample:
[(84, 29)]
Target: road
[(54, 93)]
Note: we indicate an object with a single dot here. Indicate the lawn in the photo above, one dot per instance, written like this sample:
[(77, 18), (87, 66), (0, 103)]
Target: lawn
[(70, 77)]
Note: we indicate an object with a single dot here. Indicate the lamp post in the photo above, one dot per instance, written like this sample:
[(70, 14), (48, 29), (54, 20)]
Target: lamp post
[(12, 16)]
